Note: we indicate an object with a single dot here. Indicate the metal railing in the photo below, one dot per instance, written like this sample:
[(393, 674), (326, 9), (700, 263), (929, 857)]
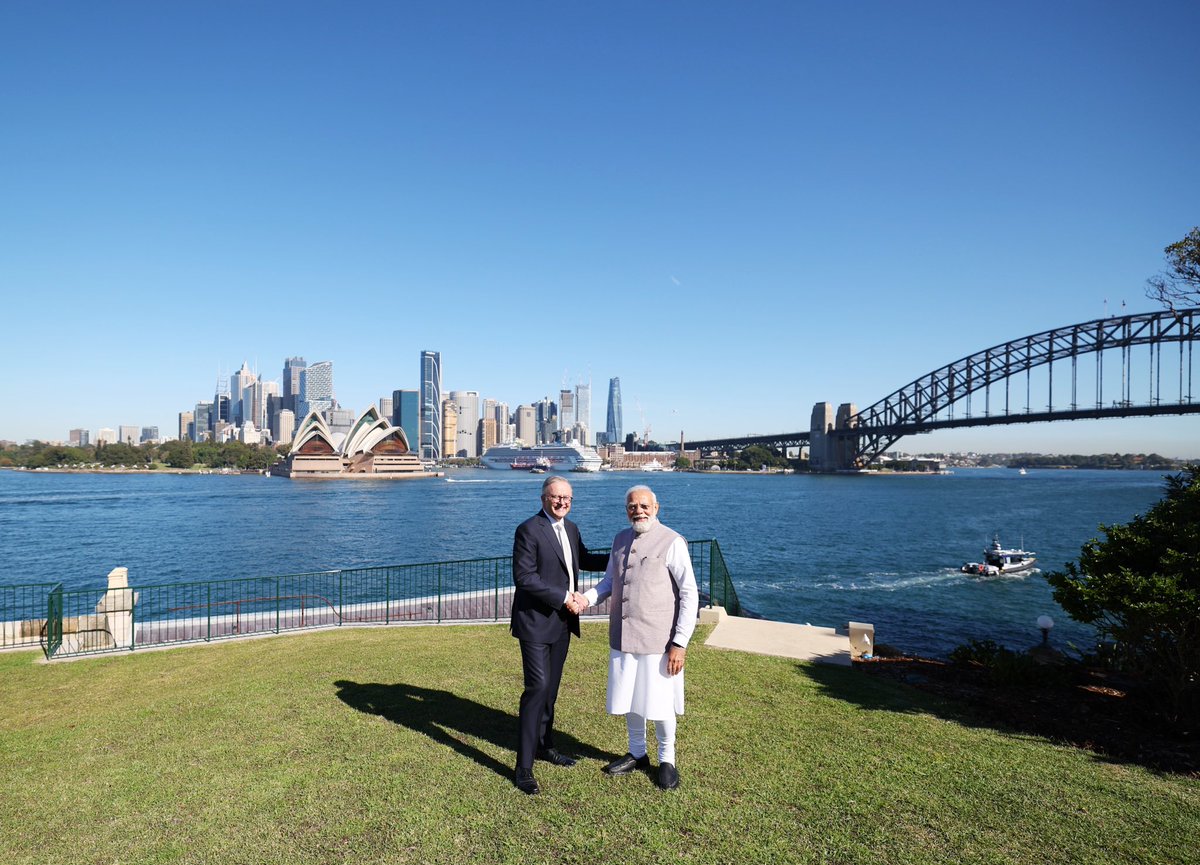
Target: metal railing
[(23, 614), (92, 621)]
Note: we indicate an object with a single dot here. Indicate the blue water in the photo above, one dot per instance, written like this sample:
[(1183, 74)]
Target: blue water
[(801, 548)]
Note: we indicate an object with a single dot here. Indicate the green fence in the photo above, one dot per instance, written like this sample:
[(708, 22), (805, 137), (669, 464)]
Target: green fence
[(89, 621), (23, 614)]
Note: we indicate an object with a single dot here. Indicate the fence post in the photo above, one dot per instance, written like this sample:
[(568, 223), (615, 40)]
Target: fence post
[(439, 593), (712, 598), (278, 602), (387, 596), (208, 612), (339, 597)]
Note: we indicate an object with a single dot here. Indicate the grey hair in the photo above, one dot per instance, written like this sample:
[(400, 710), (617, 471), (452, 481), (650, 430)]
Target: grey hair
[(552, 480), (637, 488)]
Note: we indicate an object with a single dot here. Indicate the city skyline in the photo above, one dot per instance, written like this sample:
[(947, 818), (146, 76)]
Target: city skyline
[(739, 212)]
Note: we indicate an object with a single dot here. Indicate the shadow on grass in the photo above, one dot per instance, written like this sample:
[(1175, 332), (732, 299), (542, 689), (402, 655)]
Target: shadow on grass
[(1113, 730), (451, 720)]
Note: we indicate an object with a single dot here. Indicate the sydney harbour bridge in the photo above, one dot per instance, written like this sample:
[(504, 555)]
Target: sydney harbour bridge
[(1121, 366)]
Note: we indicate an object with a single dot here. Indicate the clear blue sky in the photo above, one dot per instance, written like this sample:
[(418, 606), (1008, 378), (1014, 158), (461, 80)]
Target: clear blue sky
[(738, 208)]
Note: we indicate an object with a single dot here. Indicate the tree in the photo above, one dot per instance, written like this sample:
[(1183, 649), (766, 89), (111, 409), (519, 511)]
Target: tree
[(1179, 284), (1140, 588), (177, 454)]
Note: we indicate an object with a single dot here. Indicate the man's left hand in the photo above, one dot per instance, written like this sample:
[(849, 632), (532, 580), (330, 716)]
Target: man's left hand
[(675, 656)]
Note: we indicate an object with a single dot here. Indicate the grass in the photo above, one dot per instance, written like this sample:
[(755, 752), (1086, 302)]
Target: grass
[(396, 745)]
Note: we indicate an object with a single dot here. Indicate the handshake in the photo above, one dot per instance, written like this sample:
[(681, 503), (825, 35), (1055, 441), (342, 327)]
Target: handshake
[(577, 603)]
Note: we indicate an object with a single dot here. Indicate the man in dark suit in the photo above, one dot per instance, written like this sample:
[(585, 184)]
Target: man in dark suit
[(547, 557)]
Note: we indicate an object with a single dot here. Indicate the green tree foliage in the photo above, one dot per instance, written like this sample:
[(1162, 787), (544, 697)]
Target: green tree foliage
[(121, 454), (177, 454), (1179, 284), (1140, 588), (754, 457)]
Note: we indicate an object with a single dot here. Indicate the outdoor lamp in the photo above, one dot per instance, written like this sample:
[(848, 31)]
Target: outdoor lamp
[(1045, 623)]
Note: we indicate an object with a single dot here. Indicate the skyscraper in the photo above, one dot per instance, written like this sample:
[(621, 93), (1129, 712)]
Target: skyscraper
[(238, 382), (583, 411), (316, 388), (566, 409), (526, 417), (431, 405), (467, 436), (292, 368), (449, 427), (612, 430), (406, 414)]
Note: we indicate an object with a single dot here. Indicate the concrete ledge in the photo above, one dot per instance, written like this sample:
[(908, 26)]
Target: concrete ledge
[(781, 639)]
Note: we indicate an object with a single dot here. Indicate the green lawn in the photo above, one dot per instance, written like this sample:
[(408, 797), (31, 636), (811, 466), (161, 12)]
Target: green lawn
[(396, 745)]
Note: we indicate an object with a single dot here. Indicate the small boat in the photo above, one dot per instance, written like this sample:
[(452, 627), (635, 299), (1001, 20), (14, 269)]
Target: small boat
[(997, 561), (653, 465), (1022, 472)]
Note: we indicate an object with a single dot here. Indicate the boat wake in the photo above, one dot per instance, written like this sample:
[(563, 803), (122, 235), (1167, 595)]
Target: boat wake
[(890, 581)]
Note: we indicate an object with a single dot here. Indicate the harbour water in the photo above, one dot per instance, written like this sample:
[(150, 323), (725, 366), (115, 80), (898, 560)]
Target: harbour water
[(801, 548)]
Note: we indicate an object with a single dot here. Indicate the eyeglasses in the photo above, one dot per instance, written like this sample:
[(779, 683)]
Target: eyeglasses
[(564, 499)]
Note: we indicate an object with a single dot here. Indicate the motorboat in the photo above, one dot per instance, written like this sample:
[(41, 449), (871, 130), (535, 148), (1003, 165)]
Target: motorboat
[(997, 561)]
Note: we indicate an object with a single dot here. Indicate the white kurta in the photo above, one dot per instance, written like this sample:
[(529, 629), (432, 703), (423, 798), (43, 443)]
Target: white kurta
[(640, 683)]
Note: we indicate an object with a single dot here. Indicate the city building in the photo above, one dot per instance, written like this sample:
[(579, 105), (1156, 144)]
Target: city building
[(292, 367), (340, 420), (566, 409), (430, 447), (547, 420), (387, 407), (238, 382), (149, 435), (449, 415), (202, 422), (185, 425), (406, 413), (612, 429), (583, 412), (316, 388), (284, 429), (466, 440), (526, 426), (487, 434), (79, 437), (106, 436), (128, 434)]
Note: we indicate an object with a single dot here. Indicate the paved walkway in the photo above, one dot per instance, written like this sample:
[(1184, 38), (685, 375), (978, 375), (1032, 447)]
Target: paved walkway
[(783, 639)]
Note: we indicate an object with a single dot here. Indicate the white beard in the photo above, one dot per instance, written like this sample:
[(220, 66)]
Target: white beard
[(642, 526)]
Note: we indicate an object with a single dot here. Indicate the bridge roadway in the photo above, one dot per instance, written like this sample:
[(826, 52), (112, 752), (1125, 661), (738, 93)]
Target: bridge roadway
[(928, 403)]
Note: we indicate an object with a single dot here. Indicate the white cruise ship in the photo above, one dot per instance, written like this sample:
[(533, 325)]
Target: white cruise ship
[(555, 458)]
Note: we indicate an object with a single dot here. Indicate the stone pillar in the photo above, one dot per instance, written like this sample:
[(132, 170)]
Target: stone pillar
[(821, 422), (844, 446), (117, 608)]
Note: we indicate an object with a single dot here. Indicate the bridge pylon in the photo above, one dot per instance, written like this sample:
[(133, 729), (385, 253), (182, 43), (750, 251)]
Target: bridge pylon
[(829, 451)]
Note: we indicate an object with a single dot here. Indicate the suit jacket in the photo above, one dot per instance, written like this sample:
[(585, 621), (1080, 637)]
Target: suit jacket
[(541, 580)]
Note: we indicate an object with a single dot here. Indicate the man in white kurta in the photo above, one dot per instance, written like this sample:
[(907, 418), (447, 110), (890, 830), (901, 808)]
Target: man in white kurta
[(650, 621)]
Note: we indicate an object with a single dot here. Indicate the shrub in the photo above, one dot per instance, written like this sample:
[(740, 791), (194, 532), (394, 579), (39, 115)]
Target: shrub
[(1140, 588)]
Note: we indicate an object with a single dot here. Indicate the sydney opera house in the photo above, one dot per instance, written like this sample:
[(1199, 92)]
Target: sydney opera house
[(372, 449)]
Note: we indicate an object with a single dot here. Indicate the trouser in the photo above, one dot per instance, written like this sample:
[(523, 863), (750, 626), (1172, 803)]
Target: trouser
[(542, 664)]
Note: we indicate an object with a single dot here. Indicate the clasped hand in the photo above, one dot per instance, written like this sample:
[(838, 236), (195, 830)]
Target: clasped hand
[(577, 603)]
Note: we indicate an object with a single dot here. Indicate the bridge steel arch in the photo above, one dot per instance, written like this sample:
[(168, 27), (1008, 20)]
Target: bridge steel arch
[(929, 402)]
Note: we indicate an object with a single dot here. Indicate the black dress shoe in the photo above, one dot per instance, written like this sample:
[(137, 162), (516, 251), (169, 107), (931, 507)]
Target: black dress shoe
[(550, 755), (625, 765), (526, 783), (668, 777)]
